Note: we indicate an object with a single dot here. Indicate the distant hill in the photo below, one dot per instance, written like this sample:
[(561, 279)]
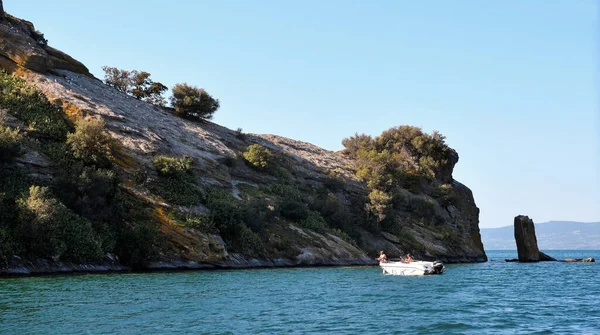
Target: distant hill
[(557, 235)]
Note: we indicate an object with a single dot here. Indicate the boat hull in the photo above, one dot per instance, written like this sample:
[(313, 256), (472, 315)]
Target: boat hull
[(415, 268)]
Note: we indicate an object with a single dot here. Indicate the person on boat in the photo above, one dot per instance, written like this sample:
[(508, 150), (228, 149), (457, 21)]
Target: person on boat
[(408, 258), (382, 257)]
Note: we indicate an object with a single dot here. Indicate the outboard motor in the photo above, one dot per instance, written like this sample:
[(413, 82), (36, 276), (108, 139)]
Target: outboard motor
[(438, 267)]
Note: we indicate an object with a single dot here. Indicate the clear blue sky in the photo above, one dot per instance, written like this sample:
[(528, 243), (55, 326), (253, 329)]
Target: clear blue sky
[(512, 84)]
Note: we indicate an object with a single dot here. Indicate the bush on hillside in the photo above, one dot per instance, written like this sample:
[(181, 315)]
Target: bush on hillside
[(143, 88), (93, 194), (398, 152), (10, 143), (117, 78), (284, 190), (177, 184), (333, 211), (357, 142), (238, 223), (154, 94), (314, 221), (191, 101), (428, 152), (293, 209), (137, 243), (90, 142), (135, 83), (379, 204), (32, 107), (172, 166), (258, 156), (47, 228)]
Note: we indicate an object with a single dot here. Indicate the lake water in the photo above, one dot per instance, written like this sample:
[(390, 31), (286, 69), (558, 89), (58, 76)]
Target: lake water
[(488, 298)]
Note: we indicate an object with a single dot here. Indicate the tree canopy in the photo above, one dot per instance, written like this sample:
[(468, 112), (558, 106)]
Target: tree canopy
[(194, 102), (135, 83)]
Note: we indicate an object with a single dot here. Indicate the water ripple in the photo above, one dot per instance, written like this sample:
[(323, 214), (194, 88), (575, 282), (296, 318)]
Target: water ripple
[(490, 298)]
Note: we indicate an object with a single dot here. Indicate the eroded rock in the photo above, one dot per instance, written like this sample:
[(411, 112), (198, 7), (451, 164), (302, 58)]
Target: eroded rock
[(579, 260), (527, 247), (21, 46)]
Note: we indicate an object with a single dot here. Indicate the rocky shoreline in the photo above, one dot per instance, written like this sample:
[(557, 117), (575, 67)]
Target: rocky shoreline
[(17, 267)]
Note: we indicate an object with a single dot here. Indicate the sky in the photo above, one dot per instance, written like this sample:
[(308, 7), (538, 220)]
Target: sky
[(513, 85)]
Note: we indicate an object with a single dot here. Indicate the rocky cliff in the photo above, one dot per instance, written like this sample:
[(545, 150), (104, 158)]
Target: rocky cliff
[(425, 225)]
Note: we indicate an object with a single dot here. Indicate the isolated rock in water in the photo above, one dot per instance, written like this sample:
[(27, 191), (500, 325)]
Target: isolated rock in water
[(527, 246), (579, 260)]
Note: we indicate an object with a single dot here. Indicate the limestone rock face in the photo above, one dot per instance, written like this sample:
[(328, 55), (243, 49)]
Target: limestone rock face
[(527, 247), (21, 46)]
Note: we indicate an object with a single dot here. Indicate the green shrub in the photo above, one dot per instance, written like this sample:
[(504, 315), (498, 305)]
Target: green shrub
[(397, 156), (10, 143), (137, 234), (344, 236), (294, 210), (6, 245), (13, 181), (137, 243), (249, 241), (93, 194), (90, 142), (284, 190), (225, 210), (377, 169), (256, 213), (232, 218), (194, 102), (117, 78), (32, 107), (135, 83), (334, 212), (357, 142), (173, 166), (176, 184), (258, 156), (379, 204), (179, 190), (314, 221), (48, 229)]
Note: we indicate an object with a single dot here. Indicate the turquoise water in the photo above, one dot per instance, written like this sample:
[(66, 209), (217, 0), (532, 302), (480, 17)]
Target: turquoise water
[(488, 298)]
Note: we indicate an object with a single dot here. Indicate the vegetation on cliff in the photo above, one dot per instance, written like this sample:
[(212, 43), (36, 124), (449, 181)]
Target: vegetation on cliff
[(87, 172), (135, 83), (81, 213), (401, 158), (194, 102), (187, 100), (407, 174)]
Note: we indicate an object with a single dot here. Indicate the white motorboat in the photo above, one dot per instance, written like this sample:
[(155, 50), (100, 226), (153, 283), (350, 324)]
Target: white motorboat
[(414, 268)]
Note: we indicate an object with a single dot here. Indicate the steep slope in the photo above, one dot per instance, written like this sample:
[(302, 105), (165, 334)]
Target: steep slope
[(310, 205)]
